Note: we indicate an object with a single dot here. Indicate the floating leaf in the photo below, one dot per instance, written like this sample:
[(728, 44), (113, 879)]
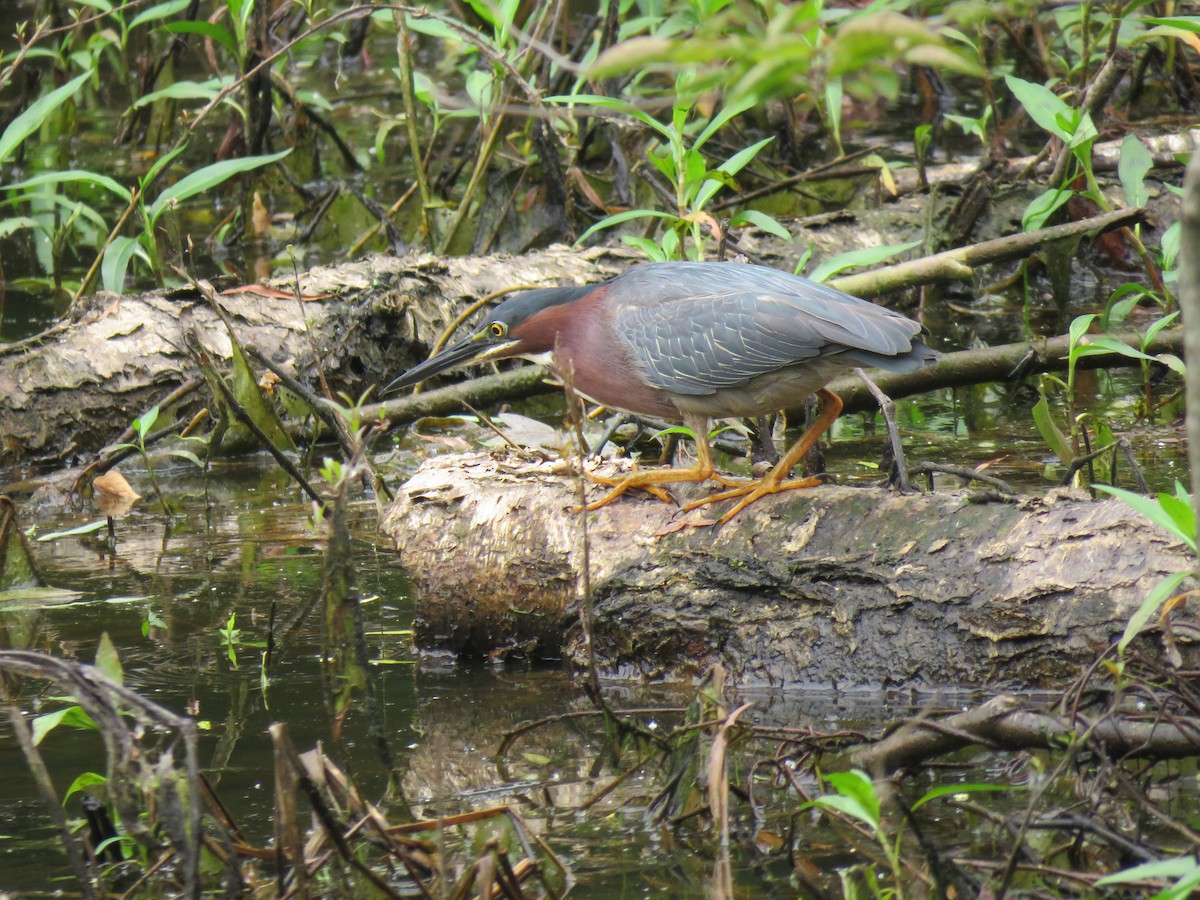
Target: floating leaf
[(72, 532)]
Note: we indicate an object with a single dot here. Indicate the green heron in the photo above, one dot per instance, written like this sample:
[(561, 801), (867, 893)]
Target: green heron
[(695, 341)]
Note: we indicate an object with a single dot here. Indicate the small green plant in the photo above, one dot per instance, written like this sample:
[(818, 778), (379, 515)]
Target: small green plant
[(231, 637), (864, 257), (1174, 514), (1066, 446), (1077, 132), (141, 430), (974, 125), (679, 157), (856, 797)]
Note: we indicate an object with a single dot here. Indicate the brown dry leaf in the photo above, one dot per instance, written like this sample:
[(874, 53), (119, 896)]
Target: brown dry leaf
[(113, 495), (260, 216), (267, 383)]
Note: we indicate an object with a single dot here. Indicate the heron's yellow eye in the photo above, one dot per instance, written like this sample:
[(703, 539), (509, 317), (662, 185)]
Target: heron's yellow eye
[(497, 329)]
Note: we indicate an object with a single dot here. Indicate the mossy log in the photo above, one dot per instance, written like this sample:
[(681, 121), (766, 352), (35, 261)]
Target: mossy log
[(828, 586)]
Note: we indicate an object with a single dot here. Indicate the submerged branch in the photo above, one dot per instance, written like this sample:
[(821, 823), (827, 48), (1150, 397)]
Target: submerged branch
[(1003, 723)]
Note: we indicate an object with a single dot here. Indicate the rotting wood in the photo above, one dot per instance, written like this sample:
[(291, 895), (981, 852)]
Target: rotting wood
[(831, 585)]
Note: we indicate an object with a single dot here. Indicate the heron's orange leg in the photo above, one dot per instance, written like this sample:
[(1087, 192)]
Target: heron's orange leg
[(650, 479), (774, 481)]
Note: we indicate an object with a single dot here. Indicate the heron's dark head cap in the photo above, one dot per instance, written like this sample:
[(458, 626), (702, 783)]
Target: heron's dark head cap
[(524, 325)]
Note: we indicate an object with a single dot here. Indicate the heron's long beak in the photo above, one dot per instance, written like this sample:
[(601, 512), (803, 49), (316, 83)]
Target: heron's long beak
[(476, 348)]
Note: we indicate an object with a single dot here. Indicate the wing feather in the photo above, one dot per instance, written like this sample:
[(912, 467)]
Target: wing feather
[(722, 324)]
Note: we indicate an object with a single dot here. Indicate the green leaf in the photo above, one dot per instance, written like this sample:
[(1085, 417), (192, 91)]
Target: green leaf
[(851, 259), (1173, 362), (1121, 303), (247, 392), (74, 175), (1183, 23), (1158, 326), (1159, 594), (108, 661), (730, 167), (720, 119), (1054, 438), (1133, 167), (1170, 244), (1154, 511), (187, 455), (651, 250), (215, 33), (185, 90), (1042, 207), (1181, 514), (156, 13), (38, 112), (615, 104), (143, 423), (1102, 344), (626, 216), (434, 28), (761, 220), (116, 262), (1078, 328), (857, 786), (83, 782), (73, 716), (207, 178), (850, 806), (1044, 106), (17, 223), (1163, 868), (674, 429), (952, 789), (162, 162)]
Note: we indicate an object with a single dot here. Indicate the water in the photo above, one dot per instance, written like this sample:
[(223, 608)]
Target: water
[(243, 548)]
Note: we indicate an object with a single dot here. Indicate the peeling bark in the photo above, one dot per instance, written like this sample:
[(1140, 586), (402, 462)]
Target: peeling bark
[(832, 585)]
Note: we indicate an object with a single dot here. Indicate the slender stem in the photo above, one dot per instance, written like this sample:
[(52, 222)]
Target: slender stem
[(1189, 304), (410, 116)]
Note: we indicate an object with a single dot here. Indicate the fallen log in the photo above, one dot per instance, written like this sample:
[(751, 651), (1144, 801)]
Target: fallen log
[(829, 586), (73, 388)]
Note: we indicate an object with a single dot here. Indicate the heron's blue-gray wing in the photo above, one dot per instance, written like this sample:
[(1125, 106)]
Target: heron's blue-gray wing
[(696, 328)]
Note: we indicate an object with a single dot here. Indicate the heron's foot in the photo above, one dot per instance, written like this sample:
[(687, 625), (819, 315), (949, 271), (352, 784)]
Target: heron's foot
[(751, 492), (621, 485), (651, 481)]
